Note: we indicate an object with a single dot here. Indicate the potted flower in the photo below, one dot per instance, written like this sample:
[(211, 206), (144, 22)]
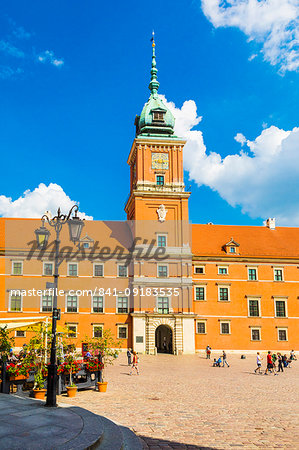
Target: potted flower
[(70, 367), (39, 383), (17, 371), (107, 349), (94, 365)]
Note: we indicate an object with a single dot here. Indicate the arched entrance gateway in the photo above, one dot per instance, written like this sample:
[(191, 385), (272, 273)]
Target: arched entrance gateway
[(164, 339)]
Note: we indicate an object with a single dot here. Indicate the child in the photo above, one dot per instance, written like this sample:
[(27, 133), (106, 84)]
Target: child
[(135, 363)]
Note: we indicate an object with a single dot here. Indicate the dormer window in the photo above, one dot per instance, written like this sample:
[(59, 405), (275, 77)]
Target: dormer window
[(86, 242), (231, 247), (158, 116)]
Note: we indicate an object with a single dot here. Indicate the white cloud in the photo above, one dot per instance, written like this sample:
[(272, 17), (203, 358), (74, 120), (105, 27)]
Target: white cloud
[(48, 57), (273, 23), (240, 138), (264, 181), (34, 204), (10, 49)]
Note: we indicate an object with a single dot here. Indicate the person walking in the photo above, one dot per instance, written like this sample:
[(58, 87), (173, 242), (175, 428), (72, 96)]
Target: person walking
[(224, 361), (269, 363), (292, 356), (129, 356), (135, 363), (208, 352), (280, 366), (274, 359), (258, 362)]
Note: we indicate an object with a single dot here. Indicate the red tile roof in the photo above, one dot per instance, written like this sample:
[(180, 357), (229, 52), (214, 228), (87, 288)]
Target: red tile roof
[(208, 240)]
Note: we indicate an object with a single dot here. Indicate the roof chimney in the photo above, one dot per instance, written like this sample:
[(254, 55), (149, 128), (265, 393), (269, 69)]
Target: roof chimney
[(270, 223)]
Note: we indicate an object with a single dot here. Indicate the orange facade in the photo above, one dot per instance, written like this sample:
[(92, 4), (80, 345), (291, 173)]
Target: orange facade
[(157, 282)]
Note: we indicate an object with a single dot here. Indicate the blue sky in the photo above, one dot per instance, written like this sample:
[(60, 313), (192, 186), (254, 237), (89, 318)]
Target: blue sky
[(73, 77)]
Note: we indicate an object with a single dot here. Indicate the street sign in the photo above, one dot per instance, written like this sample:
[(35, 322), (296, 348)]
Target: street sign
[(50, 285)]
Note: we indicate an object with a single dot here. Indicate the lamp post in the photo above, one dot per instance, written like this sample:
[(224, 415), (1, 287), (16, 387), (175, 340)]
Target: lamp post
[(42, 236)]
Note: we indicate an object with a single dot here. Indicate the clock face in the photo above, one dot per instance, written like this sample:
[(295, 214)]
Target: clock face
[(160, 161)]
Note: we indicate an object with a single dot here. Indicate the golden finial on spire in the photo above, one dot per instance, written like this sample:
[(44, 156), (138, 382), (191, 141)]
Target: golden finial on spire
[(153, 39)]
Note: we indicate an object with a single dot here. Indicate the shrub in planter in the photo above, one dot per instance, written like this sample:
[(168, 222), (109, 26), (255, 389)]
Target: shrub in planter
[(39, 382), (107, 350)]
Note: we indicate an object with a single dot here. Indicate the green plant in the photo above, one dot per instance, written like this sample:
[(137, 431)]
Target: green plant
[(39, 381), (106, 346), (71, 366), (6, 343), (17, 370)]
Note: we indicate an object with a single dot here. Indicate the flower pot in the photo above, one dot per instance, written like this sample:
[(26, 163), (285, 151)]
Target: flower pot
[(102, 386), (39, 393), (71, 391), (17, 377)]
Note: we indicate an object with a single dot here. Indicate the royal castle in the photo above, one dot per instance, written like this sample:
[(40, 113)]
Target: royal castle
[(158, 282)]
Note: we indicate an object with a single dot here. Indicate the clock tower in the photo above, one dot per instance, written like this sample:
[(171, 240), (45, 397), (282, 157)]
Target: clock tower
[(156, 162)]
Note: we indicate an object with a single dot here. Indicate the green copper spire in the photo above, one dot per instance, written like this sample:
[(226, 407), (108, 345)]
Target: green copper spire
[(154, 84), (155, 120)]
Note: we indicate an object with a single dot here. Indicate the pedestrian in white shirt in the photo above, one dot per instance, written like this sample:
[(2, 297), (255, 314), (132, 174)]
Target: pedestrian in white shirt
[(258, 363)]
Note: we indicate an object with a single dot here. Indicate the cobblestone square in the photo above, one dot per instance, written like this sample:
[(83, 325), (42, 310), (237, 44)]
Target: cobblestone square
[(183, 402)]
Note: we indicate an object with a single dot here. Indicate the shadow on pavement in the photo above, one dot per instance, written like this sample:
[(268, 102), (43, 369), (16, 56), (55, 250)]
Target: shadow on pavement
[(151, 443)]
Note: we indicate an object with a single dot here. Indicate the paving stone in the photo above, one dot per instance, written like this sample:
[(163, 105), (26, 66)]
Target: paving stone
[(198, 406)]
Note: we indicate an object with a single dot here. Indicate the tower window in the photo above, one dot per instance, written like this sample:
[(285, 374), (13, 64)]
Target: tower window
[(158, 116), (160, 180)]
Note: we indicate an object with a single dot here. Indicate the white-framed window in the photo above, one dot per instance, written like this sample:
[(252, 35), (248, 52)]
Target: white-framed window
[(20, 333), (122, 331), (71, 304), (97, 330), (278, 274), (122, 270), (48, 268), (256, 334), (15, 302), (163, 305), (162, 240), (224, 327), (162, 270), (232, 249), (223, 293), (201, 327), (98, 270), (254, 309), (122, 306), (199, 270), (199, 293), (86, 244), (282, 334), (222, 270), (97, 304), (72, 330), (17, 268), (280, 307), (47, 303), (252, 273), (72, 269)]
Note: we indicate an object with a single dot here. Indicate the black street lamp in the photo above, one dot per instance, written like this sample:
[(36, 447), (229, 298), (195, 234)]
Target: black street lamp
[(42, 236)]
